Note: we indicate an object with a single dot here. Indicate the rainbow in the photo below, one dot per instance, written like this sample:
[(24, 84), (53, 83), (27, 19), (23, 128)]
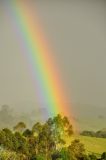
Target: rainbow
[(34, 47)]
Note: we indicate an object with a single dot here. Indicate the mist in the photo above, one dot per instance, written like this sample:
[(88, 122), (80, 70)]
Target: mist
[(76, 30)]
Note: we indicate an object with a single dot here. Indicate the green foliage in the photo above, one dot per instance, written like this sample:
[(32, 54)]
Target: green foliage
[(27, 133), (7, 138), (20, 127), (44, 142), (88, 133), (37, 128), (7, 155), (65, 154), (39, 157), (99, 134), (92, 157), (103, 156), (77, 149), (56, 155), (61, 127), (21, 143)]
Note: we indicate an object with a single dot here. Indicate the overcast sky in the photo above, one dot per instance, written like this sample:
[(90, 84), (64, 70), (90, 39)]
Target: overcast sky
[(76, 30)]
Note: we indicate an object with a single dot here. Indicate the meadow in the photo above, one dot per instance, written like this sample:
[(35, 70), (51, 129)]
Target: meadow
[(91, 144)]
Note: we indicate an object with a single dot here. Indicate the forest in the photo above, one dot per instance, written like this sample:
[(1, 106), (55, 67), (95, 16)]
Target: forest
[(43, 141)]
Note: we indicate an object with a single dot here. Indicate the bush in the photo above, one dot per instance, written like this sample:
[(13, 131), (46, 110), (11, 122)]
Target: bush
[(88, 133), (103, 156), (92, 157)]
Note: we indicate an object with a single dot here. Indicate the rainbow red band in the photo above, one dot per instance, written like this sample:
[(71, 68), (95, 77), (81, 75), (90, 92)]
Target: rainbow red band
[(34, 46)]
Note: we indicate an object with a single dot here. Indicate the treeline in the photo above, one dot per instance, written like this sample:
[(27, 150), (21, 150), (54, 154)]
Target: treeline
[(98, 134), (43, 142)]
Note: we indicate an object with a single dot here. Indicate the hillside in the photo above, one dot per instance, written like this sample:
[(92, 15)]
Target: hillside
[(92, 144)]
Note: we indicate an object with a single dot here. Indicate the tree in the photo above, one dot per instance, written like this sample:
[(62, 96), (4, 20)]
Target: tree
[(92, 157), (38, 157), (101, 134), (32, 146), (77, 149), (61, 129), (27, 133), (69, 130), (56, 155), (103, 156), (46, 143), (88, 133), (65, 154), (37, 128), (20, 127), (22, 145), (2, 138), (7, 139), (7, 155)]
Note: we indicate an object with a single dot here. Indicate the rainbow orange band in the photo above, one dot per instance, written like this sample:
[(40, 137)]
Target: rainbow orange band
[(34, 46)]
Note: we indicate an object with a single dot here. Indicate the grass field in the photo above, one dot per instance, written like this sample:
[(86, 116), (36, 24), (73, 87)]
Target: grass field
[(92, 144)]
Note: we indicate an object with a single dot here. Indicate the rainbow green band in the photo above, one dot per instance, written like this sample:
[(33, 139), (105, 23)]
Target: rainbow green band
[(34, 48)]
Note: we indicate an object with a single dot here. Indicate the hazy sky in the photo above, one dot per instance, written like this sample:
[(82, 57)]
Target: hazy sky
[(77, 32)]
